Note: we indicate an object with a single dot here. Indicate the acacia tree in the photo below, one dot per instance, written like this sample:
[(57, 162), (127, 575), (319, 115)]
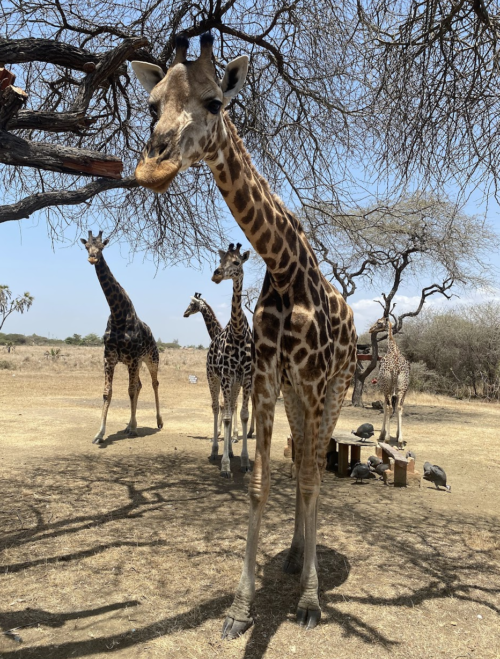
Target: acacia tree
[(420, 240), (9, 304), (71, 62)]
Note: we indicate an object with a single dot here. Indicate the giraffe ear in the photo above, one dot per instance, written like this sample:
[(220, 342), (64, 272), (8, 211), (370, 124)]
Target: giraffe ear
[(234, 77), (222, 254), (105, 242), (245, 256), (84, 241), (149, 75)]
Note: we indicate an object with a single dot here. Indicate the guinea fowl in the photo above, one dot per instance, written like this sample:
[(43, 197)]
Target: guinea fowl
[(360, 471), (364, 432), (374, 461), (380, 468), (410, 454), (435, 475)]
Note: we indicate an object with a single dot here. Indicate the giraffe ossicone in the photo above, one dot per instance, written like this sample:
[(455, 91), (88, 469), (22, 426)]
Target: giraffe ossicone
[(127, 340), (304, 335)]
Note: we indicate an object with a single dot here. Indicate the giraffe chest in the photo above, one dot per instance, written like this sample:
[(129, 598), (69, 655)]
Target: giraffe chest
[(305, 330), (230, 354)]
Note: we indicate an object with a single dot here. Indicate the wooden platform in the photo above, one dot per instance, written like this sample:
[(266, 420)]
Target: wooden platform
[(348, 449), (402, 469)]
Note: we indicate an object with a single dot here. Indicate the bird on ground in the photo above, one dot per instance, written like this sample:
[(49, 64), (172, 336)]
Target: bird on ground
[(374, 461), (360, 471), (410, 454), (364, 432), (435, 475), (380, 468)]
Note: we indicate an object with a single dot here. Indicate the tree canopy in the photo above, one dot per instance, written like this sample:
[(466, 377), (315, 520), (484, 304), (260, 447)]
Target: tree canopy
[(338, 97)]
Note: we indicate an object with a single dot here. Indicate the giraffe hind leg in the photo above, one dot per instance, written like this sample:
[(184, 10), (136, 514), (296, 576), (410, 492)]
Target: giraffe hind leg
[(152, 365), (227, 390), (134, 388)]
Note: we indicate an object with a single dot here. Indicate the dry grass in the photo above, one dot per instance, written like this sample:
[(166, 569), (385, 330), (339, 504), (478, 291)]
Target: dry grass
[(135, 549)]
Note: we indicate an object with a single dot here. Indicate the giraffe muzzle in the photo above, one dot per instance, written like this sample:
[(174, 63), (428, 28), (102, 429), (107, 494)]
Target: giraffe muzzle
[(92, 260), (156, 176)]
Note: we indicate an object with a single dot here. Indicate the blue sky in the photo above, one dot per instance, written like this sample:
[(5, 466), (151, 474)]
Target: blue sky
[(69, 300)]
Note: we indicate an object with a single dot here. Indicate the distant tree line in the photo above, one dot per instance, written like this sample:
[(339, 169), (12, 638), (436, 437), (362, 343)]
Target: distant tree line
[(455, 352)]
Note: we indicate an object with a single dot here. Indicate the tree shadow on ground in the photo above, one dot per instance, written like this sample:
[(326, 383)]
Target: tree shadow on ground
[(186, 489)]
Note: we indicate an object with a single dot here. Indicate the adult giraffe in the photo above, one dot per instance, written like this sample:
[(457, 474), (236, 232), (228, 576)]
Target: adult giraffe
[(304, 332)]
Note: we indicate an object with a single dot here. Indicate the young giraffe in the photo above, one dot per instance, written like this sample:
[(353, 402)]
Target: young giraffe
[(393, 380), (229, 361), (304, 335), (199, 305), (127, 340)]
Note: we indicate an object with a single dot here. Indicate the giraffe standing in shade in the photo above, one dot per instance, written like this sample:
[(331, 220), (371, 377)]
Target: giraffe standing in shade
[(304, 335), (393, 380), (199, 305), (127, 340), (229, 361)]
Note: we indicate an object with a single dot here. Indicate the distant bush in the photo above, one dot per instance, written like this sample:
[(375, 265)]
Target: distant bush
[(6, 365), (459, 348)]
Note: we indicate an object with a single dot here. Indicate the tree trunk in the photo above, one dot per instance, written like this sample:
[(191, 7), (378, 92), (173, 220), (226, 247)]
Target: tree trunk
[(357, 394), (361, 374)]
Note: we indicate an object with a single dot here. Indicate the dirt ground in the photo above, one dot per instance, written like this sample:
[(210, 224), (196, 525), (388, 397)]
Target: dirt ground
[(134, 548)]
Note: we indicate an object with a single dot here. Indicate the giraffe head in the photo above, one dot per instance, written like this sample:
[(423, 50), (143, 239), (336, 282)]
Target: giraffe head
[(231, 264), (187, 104), (195, 305), (382, 325), (94, 246)]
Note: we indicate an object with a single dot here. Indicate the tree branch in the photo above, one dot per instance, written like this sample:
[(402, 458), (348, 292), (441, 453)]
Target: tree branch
[(16, 151), (24, 208), (11, 100)]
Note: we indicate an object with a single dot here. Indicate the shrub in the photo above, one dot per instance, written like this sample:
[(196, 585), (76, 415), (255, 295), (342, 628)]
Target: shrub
[(6, 365)]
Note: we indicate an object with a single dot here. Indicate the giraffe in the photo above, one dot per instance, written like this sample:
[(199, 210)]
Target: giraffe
[(229, 361), (304, 334), (393, 380), (199, 305), (127, 340)]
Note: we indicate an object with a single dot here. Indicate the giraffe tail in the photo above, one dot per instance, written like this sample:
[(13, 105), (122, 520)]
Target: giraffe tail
[(394, 402)]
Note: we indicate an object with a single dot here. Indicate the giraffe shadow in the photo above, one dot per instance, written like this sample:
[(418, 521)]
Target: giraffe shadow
[(122, 435)]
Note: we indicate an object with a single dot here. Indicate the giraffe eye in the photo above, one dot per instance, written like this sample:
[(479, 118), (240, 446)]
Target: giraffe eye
[(214, 106)]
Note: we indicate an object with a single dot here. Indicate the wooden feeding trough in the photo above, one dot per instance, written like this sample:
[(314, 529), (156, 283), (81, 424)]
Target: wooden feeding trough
[(345, 448), (402, 469)]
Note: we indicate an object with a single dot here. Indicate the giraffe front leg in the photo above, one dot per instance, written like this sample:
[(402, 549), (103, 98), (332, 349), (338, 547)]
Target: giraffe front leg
[(109, 369), (239, 617), (245, 460), (225, 470), (134, 388), (214, 386), (295, 414)]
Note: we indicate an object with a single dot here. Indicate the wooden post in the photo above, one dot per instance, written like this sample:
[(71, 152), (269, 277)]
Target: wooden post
[(411, 465), (343, 460), (355, 455), (399, 475)]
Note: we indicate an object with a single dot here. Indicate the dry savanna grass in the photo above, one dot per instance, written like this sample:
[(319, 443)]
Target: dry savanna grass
[(134, 548)]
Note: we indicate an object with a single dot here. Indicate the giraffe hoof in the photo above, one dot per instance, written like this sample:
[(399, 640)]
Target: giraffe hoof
[(160, 424), (233, 628), (308, 618), (132, 433), (212, 457), (97, 440), (245, 469), (226, 474)]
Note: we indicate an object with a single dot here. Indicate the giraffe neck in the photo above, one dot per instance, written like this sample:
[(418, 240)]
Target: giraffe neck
[(119, 302), (238, 319), (392, 346), (274, 232), (213, 325)]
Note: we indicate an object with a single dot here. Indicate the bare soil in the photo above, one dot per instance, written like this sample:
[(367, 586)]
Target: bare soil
[(134, 548)]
